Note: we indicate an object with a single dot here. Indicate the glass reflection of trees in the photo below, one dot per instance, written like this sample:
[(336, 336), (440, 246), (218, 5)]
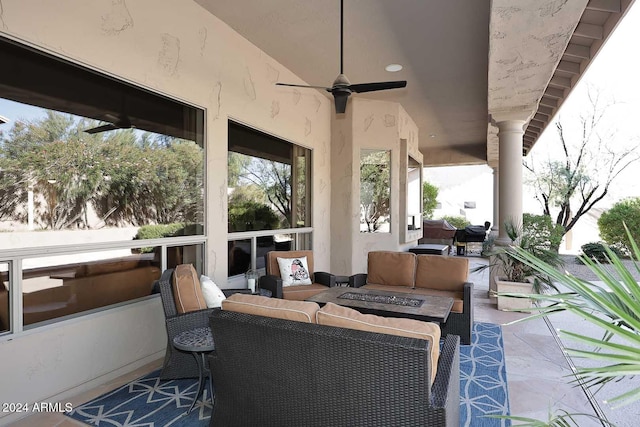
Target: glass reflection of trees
[(375, 190)]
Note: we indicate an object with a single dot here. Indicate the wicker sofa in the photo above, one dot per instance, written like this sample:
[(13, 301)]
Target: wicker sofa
[(426, 275), (280, 372)]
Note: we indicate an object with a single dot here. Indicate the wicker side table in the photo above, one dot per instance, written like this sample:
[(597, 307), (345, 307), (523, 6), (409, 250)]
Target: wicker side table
[(198, 342)]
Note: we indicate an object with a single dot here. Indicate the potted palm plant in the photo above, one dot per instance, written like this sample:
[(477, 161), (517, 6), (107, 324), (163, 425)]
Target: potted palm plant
[(515, 279)]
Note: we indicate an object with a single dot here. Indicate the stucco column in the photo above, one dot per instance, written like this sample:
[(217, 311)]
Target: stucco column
[(510, 181), (496, 206)]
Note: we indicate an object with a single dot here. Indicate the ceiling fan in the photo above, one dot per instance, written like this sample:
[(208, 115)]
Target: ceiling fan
[(342, 87), (118, 122)]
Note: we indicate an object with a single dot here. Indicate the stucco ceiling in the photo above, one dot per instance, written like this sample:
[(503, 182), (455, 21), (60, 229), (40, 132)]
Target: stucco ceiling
[(465, 61)]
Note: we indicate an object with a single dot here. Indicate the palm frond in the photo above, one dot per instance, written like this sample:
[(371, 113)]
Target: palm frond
[(613, 307), (561, 419)]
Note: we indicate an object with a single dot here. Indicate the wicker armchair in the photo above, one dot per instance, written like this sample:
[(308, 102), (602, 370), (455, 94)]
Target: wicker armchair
[(178, 364), (289, 373), (272, 281)]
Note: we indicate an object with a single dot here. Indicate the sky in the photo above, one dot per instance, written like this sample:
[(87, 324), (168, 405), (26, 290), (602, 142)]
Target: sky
[(615, 72), (16, 111)]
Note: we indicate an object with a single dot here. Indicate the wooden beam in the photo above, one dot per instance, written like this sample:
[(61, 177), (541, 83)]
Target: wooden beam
[(578, 51), (534, 128), (548, 102), (553, 92), (569, 67), (611, 6), (561, 82), (537, 123), (545, 110), (590, 31)]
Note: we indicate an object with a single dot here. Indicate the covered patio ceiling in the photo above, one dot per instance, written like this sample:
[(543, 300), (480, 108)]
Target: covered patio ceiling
[(466, 62)]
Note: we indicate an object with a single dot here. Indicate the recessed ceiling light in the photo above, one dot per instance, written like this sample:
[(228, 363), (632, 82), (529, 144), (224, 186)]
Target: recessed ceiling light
[(433, 135), (392, 68)]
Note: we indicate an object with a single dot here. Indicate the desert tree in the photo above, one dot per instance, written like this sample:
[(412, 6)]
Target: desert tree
[(271, 178), (591, 156), (429, 199), (375, 189)]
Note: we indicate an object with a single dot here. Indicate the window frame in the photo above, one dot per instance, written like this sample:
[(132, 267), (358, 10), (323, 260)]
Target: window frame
[(14, 257), (302, 236)]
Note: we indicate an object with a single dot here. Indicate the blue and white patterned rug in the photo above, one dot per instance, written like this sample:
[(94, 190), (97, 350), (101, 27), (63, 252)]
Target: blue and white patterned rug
[(150, 402), (483, 378)]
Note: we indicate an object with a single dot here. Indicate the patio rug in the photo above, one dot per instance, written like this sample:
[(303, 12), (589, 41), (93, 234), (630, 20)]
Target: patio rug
[(150, 402), (483, 378)]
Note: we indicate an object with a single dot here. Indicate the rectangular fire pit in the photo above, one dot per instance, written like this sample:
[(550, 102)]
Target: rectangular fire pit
[(391, 304), (383, 299)]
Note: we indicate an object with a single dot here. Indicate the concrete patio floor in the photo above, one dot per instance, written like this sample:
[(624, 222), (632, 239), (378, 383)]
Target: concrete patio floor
[(538, 374)]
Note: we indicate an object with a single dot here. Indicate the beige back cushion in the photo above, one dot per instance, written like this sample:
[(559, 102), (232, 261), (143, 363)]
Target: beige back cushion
[(445, 273), (272, 260), (300, 311), (391, 268), (344, 317), (186, 289)]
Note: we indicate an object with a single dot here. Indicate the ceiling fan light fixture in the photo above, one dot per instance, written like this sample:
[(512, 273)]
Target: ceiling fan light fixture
[(342, 87), (393, 68)]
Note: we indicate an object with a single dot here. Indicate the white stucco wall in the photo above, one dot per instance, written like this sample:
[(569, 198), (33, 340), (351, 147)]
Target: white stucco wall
[(368, 124), (176, 48), (55, 362)]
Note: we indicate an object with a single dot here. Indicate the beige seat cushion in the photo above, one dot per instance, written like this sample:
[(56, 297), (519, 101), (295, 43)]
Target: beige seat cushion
[(445, 273), (187, 292), (302, 292), (300, 311), (458, 297), (391, 268), (345, 317)]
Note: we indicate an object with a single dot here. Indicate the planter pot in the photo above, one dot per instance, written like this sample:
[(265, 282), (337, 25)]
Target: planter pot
[(511, 303)]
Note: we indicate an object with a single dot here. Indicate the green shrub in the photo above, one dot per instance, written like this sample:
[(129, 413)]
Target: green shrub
[(158, 231), (541, 230), (611, 223), (597, 252), (250, 215), (457, 221)]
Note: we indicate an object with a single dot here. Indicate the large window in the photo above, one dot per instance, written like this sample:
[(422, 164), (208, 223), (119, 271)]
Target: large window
[(106, 176), (269, 195), (375, 191)]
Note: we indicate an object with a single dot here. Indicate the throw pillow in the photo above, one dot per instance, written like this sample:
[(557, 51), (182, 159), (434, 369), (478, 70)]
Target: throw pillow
[(213, 296), (294, 271), (187, 292)]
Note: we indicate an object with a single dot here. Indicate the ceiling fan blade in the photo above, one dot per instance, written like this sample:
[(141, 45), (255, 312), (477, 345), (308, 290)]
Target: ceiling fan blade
[(372, 87), (103, 128), (328, 89), (341, 101)]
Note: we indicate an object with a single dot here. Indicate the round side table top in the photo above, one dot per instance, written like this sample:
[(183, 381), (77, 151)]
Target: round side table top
[(198, 339)]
